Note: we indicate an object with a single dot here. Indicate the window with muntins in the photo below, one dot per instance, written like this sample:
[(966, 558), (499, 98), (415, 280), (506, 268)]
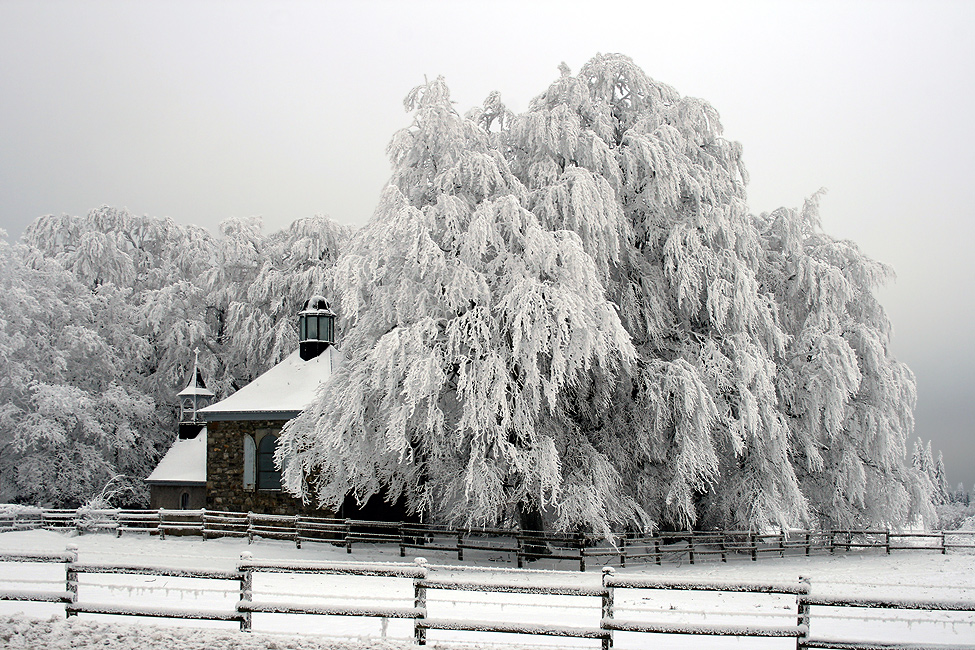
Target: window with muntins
[(268, 477)]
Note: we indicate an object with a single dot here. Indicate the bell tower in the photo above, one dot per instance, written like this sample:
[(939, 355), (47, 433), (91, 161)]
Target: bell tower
[(195, 396)]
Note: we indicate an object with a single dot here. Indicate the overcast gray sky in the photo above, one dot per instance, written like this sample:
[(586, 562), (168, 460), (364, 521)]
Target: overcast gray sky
[(204, 110)]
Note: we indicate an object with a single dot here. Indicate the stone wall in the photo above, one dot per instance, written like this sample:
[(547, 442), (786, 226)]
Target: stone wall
[(169, 496), (225, 472)]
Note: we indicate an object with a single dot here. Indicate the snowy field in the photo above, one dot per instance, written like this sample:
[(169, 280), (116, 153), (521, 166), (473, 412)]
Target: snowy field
[(911, 575)]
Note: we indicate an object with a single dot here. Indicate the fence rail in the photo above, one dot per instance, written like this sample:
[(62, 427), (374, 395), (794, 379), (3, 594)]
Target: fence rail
[(518, 546), (793, 621)]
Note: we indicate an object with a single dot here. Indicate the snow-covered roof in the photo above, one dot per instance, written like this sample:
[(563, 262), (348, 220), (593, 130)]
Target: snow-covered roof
[(184, 463), (281, 393)]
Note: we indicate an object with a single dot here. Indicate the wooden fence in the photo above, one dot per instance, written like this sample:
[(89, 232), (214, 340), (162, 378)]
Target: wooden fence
[(793, 620), (517, 546)]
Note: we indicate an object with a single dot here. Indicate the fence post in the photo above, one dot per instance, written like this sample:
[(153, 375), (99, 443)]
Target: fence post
[(656, 550), (71, 577), (887, 541), (203, 523), (808, 543), (460, 542), (944, 549), (402, 539), (348, 535), (250, 527), (623, 551), (160, 527), (753, 544), (690, 547), (803, 614), (420, 602), (608, 598), (246, 590), (581, 545)]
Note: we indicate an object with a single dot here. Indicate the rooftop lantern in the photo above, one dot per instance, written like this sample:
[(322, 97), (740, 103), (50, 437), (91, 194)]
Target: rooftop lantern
[(316, 327)]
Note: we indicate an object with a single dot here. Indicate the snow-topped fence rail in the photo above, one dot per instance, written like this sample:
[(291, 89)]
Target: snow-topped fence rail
[(533, 586), (892, 605), (518, 546), (49, 595), (788, 610), (78, 606), (663, 624), (248, 606)]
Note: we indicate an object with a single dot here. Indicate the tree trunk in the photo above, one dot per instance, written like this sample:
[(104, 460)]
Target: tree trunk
[(530, 520)]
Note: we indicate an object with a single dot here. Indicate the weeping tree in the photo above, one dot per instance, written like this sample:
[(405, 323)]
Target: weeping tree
[(571, 311), (849, 404), (658, 197), (465, 322)]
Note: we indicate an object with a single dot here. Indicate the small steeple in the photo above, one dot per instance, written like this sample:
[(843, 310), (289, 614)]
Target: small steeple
[(195, 396), (316, 327)]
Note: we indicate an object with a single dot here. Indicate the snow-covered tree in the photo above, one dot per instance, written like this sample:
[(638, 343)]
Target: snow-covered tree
[(960, 494), (73, 415), (467, 322), (105, 312), (941, 491), (753, 385), (255, 286), (642, 175), (153, 264), (848, 402)]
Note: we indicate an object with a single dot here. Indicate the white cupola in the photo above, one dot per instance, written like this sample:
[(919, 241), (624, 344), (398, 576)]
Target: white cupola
[(195, 396)]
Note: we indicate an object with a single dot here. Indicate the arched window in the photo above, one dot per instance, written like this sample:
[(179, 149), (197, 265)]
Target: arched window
[(268, 477)]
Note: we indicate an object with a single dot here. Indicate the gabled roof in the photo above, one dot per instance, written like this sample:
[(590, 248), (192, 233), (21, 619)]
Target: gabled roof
[(281, 393), (184, 464)]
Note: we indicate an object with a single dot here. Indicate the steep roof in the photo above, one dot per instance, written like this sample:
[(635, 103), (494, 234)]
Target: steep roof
[(195, 384), (281, 393), (184, 464)]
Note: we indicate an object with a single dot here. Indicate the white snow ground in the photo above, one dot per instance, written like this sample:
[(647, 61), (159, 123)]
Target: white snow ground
[(911, 575)]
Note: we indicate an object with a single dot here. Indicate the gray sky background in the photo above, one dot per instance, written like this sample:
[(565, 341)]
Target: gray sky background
[(204, 110)]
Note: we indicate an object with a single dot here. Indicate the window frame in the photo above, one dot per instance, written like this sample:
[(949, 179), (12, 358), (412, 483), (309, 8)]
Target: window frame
[(268, 480)]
